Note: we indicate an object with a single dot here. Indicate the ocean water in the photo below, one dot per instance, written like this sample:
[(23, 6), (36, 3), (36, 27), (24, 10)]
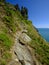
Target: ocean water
[(44, 33)]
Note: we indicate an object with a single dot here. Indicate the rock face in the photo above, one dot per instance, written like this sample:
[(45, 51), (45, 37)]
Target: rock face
[(21, 54), (25, 38), (28, 47)]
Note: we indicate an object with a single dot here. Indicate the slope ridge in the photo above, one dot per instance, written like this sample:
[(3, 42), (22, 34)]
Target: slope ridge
[(11, 21)]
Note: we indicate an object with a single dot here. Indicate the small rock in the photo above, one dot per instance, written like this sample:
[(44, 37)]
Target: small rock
[(16, 60)]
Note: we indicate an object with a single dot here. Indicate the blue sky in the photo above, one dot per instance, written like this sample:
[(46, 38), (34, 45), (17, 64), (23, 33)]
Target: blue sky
[(38, 11)]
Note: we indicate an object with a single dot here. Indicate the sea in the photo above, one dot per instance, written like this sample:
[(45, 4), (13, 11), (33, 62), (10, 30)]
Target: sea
[(44, 32)]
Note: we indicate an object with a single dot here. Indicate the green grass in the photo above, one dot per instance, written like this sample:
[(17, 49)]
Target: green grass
[(42, 51), (6, 41), (7, 56), (12, 21), (0, 3), (2, 62), (40, 46)]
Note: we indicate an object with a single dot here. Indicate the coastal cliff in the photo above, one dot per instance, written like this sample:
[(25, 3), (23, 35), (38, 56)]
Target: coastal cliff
[(20, 42)]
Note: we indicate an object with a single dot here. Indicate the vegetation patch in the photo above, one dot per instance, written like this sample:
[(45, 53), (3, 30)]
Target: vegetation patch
[(6, 41), (2, 62)]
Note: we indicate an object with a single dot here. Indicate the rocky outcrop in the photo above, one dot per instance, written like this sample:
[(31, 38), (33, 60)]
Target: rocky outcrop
[(20, 53), (28, 47), (24, 38)]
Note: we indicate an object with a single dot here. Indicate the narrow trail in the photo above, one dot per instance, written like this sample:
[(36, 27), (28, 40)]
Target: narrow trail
[(20, 53)]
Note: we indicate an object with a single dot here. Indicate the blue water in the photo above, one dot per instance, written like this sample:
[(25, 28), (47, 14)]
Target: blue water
[(44, 33)]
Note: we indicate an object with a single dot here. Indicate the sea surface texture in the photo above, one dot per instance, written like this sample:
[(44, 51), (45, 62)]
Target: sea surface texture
[(44, 33)]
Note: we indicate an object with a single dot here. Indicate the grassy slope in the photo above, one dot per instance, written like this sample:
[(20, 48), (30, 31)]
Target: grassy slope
[(10, 22), (8, 28)]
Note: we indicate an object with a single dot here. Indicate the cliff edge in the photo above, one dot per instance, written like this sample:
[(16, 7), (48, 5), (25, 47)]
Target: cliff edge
[(20, 42)]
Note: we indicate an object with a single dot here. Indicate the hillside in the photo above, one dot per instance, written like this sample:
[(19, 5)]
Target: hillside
[(20, 42)]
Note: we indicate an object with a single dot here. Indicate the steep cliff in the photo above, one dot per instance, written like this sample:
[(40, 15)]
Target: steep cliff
[(20, 42)]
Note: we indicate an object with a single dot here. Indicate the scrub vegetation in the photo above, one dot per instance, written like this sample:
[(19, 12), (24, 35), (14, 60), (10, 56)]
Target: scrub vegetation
[(12, 19)]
